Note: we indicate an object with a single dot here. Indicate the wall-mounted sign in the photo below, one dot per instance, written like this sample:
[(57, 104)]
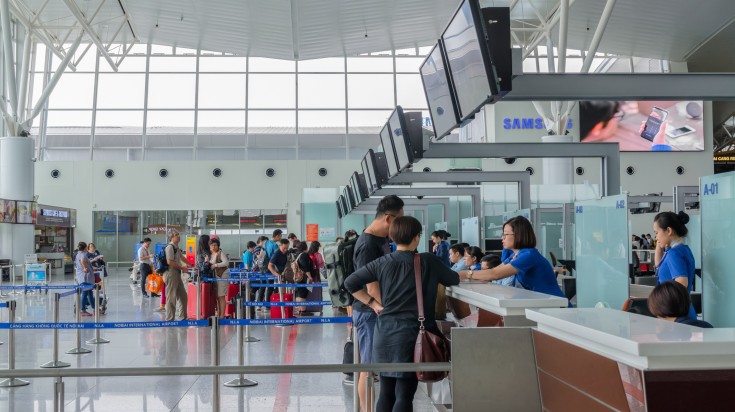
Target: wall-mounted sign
[(312, 232), (53, 216)]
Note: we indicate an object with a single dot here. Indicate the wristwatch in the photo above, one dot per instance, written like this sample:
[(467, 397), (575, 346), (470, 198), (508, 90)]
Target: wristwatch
[(372, 299), (469, 274)]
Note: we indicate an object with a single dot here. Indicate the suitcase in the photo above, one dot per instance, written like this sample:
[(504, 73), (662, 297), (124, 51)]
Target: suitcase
[(276, 310), (314, 296), (348, 354), (232, 290), (207, 299)]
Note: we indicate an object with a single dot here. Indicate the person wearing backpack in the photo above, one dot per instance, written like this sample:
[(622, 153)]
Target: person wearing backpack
[(371, 245), (175, 289)]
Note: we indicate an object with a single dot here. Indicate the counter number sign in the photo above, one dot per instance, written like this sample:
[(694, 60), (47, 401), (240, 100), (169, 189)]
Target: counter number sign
[(711, 189)]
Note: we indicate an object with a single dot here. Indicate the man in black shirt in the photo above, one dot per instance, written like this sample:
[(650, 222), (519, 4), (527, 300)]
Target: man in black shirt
[(279, 259), (371, 245)]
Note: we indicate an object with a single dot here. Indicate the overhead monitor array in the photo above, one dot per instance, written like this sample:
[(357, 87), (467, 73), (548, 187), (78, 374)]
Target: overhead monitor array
[(470, 66)]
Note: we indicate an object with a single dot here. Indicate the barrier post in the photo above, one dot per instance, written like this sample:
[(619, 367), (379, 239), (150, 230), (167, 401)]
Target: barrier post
[(355, 375), (241, 381), (214, 343), (59, 395), (97, 339), (199, 298), (56, 363), (248, 338), (15, 291), (12, 382), (78, 350)]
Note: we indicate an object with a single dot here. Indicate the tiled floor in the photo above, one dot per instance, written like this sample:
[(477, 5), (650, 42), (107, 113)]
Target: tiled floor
[(304, 344)]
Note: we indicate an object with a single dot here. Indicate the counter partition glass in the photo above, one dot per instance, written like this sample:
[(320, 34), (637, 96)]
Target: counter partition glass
[(717, 201), (602, 252)]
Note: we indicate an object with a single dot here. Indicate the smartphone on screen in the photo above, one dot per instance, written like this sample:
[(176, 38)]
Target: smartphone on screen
[(653, 124), (680, 131)]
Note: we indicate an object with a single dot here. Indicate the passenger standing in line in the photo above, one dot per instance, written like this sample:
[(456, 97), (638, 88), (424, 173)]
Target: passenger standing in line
[(85, 277), (145, 260), (293, 239), (301, 256), (175, 289), (220, 264), (247, 256), (202, 258), (320, 267), (396, 304), (271, 246), (279, 259), (456, 257), (674, 260), (373, 244)]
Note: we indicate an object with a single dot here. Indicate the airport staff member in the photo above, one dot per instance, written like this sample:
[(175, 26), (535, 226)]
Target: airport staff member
[(674, 260), (533, 271)]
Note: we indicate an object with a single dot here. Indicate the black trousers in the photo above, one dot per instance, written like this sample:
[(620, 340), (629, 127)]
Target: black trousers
[(396, 394), (145, 270)]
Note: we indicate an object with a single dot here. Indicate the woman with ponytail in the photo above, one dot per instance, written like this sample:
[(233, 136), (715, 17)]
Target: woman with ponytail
[(674, 259)]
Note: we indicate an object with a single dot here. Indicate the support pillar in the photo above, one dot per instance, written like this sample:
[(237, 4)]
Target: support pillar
[(16, 182)]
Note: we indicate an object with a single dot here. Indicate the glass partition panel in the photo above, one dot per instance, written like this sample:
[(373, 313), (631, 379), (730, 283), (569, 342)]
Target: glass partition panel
[(601, 237), (717, 201), (153, 223), (129, 234), (324, 215), (548, 227), (228, 230), (105, 236), (520, 212), (694, 240)]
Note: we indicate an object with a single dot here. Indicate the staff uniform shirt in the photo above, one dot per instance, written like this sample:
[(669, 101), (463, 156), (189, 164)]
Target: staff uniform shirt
[(442, 251), (367, 249), (534, 272), (678, 261), (459, 266), (397, 326), (279, 260)]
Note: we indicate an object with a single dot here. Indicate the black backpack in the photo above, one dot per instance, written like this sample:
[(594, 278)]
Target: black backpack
[(339, 260), (261, 261)]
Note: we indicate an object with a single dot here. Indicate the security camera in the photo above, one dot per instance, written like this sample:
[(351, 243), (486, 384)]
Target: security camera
[(509, 160), (419, 197)]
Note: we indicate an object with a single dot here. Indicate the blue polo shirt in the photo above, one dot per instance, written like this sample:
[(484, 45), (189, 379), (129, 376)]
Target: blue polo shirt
[(442, 250), (270, 247), (534, 272), (678, 262)]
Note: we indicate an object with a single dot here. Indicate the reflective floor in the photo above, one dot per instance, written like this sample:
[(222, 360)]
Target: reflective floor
[(304, 344)]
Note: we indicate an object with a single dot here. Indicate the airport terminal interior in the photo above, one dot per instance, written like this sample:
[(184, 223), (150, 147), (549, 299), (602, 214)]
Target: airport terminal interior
[(565, 169)]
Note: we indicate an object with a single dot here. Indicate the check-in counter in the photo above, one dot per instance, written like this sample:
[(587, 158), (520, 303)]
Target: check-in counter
[(605, 359), (503, 305)]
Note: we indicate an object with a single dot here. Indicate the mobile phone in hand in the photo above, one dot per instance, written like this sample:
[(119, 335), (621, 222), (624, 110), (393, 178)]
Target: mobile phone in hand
[(653, 124)]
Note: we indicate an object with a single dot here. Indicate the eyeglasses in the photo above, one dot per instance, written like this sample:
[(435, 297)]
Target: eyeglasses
[(508, 234)]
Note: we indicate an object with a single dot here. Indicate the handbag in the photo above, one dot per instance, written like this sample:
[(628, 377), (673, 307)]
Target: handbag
[(429, 347)]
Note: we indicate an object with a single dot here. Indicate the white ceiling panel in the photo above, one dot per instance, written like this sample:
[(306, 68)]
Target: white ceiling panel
[(660, 29)]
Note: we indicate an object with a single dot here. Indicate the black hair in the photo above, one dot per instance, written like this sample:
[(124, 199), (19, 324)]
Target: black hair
[(203, 246), (283, 242), (676, 221), (441, 234), (262, 238), (669, 299), (404, 229), (277, 232), (300, 246), (350, 234), (82, 246), (314, 247), (593, 112), (492, 260), (250, 244), (291, 236), (475, 252), (390, 204), (523, 236), (214, 241), (457, 248)]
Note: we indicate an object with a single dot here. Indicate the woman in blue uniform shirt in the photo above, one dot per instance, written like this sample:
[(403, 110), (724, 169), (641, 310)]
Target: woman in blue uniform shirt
[(472, 257), (532, 271), (674, 259), (441, 246)]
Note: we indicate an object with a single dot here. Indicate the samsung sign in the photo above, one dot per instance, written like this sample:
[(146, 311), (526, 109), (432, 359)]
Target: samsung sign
[(512, 123)]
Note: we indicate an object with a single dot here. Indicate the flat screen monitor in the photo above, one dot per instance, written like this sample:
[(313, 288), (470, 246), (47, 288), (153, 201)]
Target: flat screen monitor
[(390, 155), (368, 170), (401, 139), (468, 59), (343, 204), (350, 198), (439, 92), (339, 209), (356, 190)]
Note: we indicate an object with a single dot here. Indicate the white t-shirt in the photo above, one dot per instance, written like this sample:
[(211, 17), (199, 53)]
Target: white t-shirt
[(144, 256)]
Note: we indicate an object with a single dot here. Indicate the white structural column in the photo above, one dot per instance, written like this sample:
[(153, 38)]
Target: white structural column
[(16, 182)]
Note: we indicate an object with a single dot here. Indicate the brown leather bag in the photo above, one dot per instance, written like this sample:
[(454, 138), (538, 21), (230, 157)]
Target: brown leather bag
[(429, 346)]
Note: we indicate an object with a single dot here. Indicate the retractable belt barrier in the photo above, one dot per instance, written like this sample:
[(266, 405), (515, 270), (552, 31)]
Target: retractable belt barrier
[(289, 285), (39, 287), (105, 325), (320, 303)]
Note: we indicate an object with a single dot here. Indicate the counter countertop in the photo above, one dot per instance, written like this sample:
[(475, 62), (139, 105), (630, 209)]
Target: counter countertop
[(503, 300), (639, 341)]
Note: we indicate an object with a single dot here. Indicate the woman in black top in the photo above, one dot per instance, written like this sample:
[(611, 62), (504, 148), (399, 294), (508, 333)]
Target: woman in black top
[(307, 266), (397, 326), (203, 257)]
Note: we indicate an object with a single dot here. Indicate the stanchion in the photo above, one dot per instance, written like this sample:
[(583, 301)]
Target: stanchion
[(56, 363), (214, 323), (355, 375), (12, 382), (199, 298), (97, 339), (59, 395), (15, 291), (241, 381), (247, 338), (79, 350)]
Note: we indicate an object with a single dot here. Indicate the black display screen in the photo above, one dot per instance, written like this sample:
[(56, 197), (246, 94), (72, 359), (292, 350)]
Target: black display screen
[(404, 152), (390, 155), (439, 94)]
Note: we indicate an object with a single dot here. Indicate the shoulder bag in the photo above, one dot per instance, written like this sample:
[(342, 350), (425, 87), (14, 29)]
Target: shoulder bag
[(429, 346)]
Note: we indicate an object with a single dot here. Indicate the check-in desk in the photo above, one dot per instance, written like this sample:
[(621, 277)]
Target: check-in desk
[(605, 359), (503, 305)]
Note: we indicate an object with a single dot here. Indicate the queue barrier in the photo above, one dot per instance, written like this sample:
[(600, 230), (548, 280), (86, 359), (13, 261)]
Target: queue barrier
[(289, 285), (311, 303)]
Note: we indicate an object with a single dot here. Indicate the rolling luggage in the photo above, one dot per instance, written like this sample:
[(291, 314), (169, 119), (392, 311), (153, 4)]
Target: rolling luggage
[(232, 290), (314, 296), (207, 299), (276, 310)]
